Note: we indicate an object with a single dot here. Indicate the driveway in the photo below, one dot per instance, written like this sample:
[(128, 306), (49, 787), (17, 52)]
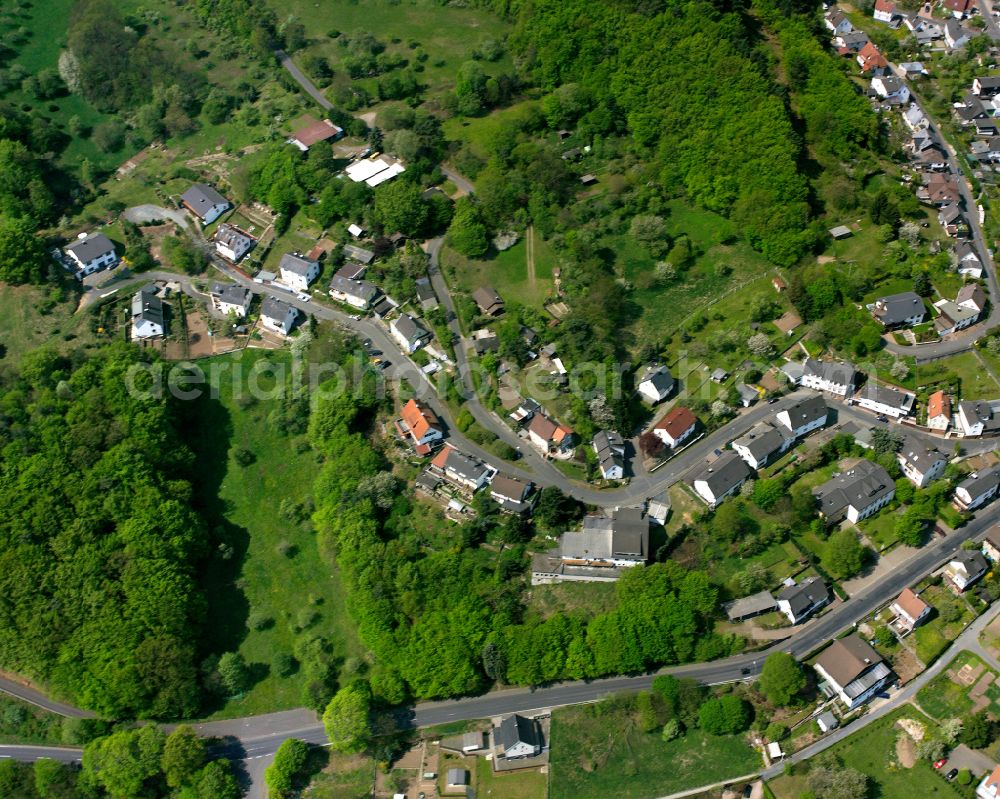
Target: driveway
[(306, 84), (963, 757), (141, 214)]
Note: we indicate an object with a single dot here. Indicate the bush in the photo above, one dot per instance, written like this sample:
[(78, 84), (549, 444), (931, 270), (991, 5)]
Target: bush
[(776, 731), (725, 715)]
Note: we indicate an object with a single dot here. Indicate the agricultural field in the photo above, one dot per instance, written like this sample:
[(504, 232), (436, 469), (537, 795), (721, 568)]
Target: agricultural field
[(276, 590)]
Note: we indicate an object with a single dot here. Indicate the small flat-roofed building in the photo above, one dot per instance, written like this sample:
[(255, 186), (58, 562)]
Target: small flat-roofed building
[(750, 606)]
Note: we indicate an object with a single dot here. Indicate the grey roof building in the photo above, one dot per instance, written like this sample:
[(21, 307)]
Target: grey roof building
[(425, 294), (899, 309), (297, 264), (798, 602), (359, 254), (761, 443), (202, 199), (721, 477), (361, 290), (856, 493), (750, 606), (518, 737), (621, 538), (91, 248)]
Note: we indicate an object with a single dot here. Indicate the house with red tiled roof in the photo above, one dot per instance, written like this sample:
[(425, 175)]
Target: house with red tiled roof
[(420, 424), (989, 788), (959, 9), (939, 411), (909, 611), (314, 132), (884, 11), (549, 436), (676, 426), (871, 60)]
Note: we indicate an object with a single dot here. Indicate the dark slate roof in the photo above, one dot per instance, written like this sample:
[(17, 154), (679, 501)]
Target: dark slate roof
[(762, 440), (410, 329), (94, 246), (147, 307), (231, 293), (464, 465), (972, 560), (273, 308), (361, 289), (201, 197), (296, 264), (807, 411), (803, 596), (840, 372), (897, 308), (660, 377), (920, 455), (517, 729), (860, 486), (981, 482), (727, 471)]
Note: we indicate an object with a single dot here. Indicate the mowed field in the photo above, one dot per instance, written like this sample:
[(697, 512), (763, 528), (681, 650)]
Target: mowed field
[(277, 569)]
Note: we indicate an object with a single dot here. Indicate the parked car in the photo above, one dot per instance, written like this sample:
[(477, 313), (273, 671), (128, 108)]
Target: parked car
[(951, 774), (303, 296), (882, 417), (747, 790), (941, 762)]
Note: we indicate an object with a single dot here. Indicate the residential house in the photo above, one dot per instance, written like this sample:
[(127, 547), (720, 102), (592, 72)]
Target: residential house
[(967, 260), (827, 721), (421, 424), (748, 394), (836, 22), (425, 294), (884, 400), (456, 780), (351, 271), (937, 190), (606, 547), (871, 60), (855, 494), (315, 132), (850, 669), (548, 436), (485, 340), (517, 737), (511, 493), (926, 30), (851, 42), (986, 128), (909, 611), (911, 69), (523, 412), (914, 119), (939, 411), (762, 444), (721, 478), (959, 9), (971, 295), (409, 333), (991, 545), (955, 36), (356, 293), (462, 469), (278, 315), (799, 602), (359, 254), (779, 284), (966, 568), (232, 243), (932, 159), (91, 253), (375, 170), (899, 310), (205, 203), (147, 314), (976, 418), (884, 11), (656, 384), (230, 298), (951, 219), (676, 426), (976, 490), (804, 416), (610, 449), (490, 303), (986, 87), (891, 89), (794, 371), (969, 110), (921, 464), (953, 317), (989, 788), (298, 271), (833, 377)]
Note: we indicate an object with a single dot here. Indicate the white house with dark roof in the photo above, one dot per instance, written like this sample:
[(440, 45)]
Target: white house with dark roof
[(891, 89), (762, 444), (921, 464), (91, 253), (517, 737), (855, 494), (610, 449), (231, 298), (278, 316), (977, 489), (899, 310), (799, 602), (656, 384), (357, 293), (465, 470), (836, 21), (205, 202), (975, 417), (885, 400), (231, 242), (297, 271), (967, 260), (147, 314), (804, 416), (409, 333), (833, 377), (852, 671), (722, 478), (966, 568)]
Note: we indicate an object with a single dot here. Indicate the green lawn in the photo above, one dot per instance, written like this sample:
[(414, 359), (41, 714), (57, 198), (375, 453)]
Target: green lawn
[(517, 785), (343, 777), (276, 571), (31, 316), (597, 752), (881, 529), (475, 133), (586, 599), (944, 699), (975, 382), (872, 751), (507, 272)]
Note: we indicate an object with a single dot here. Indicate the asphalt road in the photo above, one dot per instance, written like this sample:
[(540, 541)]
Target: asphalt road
[(965, 339), (306, 84), (32, 696), (29, 754)]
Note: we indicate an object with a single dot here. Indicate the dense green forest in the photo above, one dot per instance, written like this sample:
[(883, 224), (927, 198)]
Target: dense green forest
[(100, 547)]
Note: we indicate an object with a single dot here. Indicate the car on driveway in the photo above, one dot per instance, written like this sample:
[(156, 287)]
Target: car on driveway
[(951, 774), (941, 762)]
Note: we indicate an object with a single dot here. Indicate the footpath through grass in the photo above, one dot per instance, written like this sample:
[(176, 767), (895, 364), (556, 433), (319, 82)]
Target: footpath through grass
[(597, 752), (281, 585)]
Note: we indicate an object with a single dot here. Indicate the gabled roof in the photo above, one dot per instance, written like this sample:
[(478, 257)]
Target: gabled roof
[(276, 309), (94, 246), (761, 441), (548, 430), (980, 483), (510, 487), (296, 264), (659, 378), (316, 131), (409, 328), (884, 395), (885, 5), (232, 237), (419, 418), (971, 294), (231, 293), (803, 596), (871, 57), (806, 411), (465, 466), (147, 307), (201, 197), (976, 410), (361, 289), (487, 299), (359, 254), (859, 487), (724, 473), (625, 534), (838, 372), (847, 659), (677, 421), (896, 308), (911, 604), (608, 439), (938, 404), (971, 560), (919, 455), (517, 729)]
